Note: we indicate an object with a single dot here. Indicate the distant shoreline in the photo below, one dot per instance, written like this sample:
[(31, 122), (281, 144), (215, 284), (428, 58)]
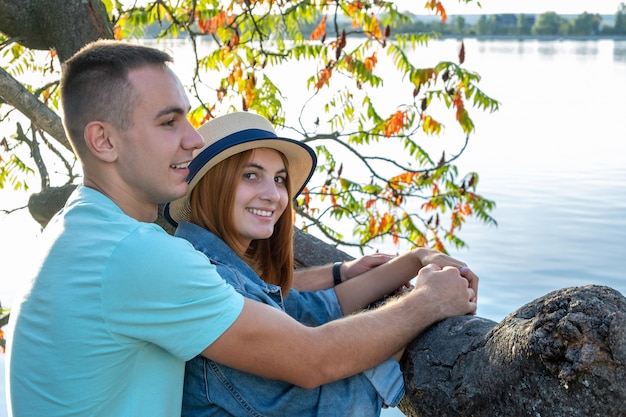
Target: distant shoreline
[(536, 37)]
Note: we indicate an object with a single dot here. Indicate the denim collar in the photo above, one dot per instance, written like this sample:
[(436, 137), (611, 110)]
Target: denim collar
[(217, 250)]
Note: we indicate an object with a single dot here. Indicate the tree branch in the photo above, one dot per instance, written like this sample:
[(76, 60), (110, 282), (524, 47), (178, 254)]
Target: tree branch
[(16, 95)]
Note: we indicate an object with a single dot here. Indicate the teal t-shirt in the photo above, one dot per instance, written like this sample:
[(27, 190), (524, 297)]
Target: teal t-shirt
[(114, 310)]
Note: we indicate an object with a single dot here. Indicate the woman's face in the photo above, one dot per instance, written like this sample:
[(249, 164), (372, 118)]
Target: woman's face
[(261, 196)]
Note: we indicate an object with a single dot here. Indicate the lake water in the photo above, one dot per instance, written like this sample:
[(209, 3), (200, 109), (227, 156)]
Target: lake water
[(553, 158)]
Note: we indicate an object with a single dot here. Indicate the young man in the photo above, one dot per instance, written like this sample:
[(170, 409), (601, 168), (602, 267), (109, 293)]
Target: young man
[(116, 305)]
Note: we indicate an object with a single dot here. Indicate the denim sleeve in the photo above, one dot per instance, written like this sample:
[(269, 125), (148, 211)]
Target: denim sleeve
[(388, 381), (313, 308), (318, 307)]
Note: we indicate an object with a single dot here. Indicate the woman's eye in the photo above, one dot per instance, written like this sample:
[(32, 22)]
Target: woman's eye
[(250, 176), (280, 180)]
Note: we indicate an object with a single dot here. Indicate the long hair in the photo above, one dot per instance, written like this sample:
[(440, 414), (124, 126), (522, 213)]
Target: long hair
[(212, 201)]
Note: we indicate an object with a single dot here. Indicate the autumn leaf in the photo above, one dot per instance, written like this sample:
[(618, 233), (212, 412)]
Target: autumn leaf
[(430, 125), (370, 62), (441, 11), (438, 244), (438, 8), (320, 31), (325, 75), (307, 196), (428, 206), (394, 235), (457, 102), (383, 222), (372, 225), (354, 7), (333, 200), (395, 123), (404, 178), (374, 28)]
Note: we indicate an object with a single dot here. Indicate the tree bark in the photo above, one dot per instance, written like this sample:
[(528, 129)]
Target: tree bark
[(61, 25), (563, 354)]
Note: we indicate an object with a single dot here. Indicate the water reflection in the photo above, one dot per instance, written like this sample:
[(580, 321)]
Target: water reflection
[(619, 51)]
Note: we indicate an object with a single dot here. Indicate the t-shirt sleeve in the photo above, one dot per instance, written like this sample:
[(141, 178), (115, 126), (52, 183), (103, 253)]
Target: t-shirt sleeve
[(159, 289)]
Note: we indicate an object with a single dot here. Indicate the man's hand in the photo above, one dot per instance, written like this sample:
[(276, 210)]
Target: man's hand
[(454, 294)]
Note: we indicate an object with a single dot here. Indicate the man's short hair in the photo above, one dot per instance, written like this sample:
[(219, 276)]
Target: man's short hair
[(95, 85)]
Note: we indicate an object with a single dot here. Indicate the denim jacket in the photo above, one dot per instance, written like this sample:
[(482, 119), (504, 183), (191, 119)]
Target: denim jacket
[(212, 389)]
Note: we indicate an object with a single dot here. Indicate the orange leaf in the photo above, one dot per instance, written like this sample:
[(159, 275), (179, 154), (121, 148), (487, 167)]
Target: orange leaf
[(333, 200), (395, 123), (324, 77), (441, 11), (354, 7), (382, 224), (370, 62), (320, 30), (438, 244)]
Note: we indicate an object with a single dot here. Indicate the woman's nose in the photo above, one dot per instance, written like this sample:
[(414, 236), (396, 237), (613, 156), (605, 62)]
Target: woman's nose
[(270, 191)]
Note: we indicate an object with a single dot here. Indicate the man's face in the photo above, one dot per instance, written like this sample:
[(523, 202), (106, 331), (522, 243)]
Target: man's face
[(153, 154)]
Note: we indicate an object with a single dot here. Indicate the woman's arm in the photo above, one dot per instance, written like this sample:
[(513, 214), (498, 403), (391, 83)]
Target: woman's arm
[(321, 277), (376, 283)]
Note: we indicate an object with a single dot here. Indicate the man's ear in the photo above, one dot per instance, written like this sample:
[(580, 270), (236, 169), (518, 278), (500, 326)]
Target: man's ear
[(97, 137)]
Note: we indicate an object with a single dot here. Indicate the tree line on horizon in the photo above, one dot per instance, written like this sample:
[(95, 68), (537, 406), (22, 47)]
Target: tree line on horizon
[(545, 24)]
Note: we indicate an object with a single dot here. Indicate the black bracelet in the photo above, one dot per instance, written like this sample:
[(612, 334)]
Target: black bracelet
[(337, 272)]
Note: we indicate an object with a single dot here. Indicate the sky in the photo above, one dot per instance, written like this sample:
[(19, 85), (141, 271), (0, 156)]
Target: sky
[(517, 6)]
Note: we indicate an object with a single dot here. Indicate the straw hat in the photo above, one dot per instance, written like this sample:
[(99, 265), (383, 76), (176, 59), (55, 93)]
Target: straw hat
[(234, 133)]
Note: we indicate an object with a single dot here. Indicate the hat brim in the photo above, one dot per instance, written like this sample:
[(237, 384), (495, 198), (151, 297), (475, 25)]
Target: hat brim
[(301, 158)]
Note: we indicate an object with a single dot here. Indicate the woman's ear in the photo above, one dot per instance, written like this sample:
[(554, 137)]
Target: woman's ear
[(97, 138)]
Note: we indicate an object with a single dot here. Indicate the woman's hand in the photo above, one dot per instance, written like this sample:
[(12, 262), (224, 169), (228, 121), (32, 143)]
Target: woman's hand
[(356, 267)]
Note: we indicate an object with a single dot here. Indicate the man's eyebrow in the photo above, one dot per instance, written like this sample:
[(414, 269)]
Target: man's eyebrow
[(172, 109)]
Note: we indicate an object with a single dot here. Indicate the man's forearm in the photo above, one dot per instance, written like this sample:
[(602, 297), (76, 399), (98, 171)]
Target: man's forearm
[(267, 342)]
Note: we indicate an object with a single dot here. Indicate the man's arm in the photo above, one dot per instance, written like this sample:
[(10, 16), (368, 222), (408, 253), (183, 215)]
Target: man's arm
[(267, 342)]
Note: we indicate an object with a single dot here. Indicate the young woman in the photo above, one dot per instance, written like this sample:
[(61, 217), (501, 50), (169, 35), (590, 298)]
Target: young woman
[(238, 211)]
